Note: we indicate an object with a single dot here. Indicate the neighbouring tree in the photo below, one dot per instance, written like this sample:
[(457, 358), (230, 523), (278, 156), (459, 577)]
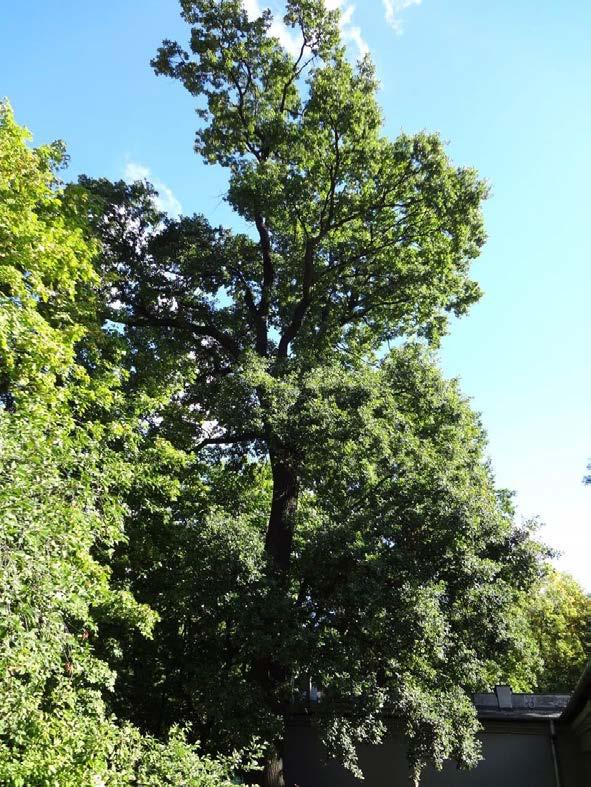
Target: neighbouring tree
[(554, 620), (62, 471), (318, 505), (559, 615)]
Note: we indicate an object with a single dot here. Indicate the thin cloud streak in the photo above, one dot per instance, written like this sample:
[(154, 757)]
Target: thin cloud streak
[(350, 32), (292, 42), (166, 200), (393, 9)]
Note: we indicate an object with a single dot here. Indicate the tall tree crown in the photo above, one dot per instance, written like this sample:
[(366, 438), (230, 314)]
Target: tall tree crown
[(358, 239)]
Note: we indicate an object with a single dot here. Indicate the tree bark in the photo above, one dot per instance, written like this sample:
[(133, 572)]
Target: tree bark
[(278, 547), (279, 538), (273, 773)]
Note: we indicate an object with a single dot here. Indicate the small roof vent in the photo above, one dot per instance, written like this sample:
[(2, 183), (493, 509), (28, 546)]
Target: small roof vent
[(504, 697)]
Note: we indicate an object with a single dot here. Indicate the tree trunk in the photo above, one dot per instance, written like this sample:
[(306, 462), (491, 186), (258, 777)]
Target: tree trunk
[(273, 773), (279, 539), (278, 546)]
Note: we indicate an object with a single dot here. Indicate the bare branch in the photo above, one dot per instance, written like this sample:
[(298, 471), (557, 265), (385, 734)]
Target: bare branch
[(246, 437), (302, 306), (147, 320)]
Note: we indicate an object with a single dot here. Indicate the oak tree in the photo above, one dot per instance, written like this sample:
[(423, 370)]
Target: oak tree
[(323, 509)]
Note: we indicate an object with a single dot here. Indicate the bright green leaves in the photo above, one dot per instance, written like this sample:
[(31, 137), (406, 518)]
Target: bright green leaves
[(548, 632), (56, 504), (44, 260), (67, 448), (559, 618), (50, 521)]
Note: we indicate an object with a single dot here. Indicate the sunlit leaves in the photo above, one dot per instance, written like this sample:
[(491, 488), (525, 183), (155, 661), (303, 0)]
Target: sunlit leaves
[(67, 447)]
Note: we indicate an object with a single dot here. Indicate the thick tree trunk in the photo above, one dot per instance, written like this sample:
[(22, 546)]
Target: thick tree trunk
[(279, 539), (278, 547), (273, 773)]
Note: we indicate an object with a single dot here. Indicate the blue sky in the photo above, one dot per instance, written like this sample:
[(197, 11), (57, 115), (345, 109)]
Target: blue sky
[(508, 84)]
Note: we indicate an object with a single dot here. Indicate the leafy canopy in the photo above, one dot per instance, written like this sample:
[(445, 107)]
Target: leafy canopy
[(63, 472), (316, 504), (358, 239)]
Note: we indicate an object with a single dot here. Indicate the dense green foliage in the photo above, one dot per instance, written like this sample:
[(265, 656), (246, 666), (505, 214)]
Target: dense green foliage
[(554, 643), (61, 513), (232, 463), (315, 504)]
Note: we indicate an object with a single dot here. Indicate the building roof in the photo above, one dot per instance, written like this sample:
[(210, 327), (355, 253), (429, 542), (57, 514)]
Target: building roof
[(503, 704)]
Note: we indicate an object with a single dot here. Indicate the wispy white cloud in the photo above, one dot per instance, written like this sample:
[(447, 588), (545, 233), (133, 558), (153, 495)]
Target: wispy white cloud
[(166, 200), (350, 31), (135, 171), (287, 38), (353, 34), (393, 9), (291, 40), (252, 8)]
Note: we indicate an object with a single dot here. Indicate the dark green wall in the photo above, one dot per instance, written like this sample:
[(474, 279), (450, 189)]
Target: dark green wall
[(516, 754)]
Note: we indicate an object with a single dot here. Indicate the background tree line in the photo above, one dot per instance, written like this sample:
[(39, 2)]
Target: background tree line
[(231, 463)]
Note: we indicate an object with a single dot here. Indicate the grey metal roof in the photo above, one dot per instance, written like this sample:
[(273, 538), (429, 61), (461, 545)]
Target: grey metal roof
[(503, 704)]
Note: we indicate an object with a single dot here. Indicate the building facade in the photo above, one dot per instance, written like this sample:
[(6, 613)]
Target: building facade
[(528, 741)]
